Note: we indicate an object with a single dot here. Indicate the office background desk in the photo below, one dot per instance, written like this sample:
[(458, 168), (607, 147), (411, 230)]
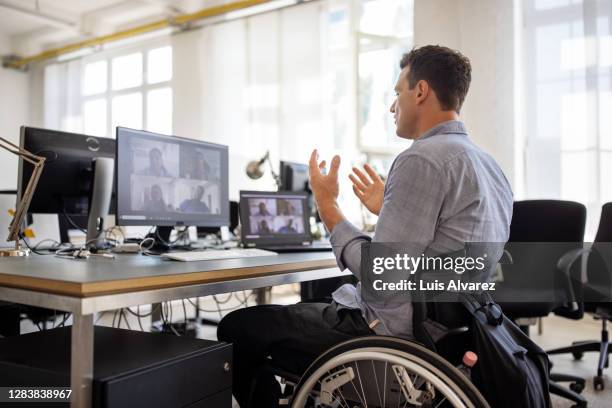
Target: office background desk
[(85, 287)]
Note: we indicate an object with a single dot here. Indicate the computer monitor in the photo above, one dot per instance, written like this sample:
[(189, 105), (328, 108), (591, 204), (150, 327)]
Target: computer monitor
[(294, 176), (275, 218), (169, 181), (77, 177)]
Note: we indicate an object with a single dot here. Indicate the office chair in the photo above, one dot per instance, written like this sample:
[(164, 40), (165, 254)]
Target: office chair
[(599, 270), (545, 221)]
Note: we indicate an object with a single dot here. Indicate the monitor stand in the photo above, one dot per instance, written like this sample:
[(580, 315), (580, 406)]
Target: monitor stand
[(99, 203), (161, 235)]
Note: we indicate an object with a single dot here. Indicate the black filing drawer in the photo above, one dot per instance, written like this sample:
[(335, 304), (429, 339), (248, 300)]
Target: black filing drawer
[(131, 369)]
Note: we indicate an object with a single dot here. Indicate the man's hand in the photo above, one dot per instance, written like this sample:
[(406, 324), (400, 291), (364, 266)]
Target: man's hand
[(370, 190), (325, 189)]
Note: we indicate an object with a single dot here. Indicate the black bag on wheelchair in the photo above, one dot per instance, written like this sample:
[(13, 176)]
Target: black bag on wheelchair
[(512, 371)]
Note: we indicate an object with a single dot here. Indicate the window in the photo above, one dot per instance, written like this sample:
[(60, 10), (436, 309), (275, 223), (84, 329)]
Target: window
[(130, 88), (568, 77), (384, 33)]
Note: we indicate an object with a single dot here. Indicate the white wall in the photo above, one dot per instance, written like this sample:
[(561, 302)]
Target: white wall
[(483, 30), (14, 112)]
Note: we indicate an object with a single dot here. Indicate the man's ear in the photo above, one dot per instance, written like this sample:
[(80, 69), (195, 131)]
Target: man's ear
[(422, 91)]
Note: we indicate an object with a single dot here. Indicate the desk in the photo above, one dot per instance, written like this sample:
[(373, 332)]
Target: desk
[(85, 287)]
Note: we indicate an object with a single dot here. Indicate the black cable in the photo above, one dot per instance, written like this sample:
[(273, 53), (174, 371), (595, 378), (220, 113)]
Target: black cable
[(222, 302), (66, 317), (25, 241), (71, 222), (169, 316), (185, 316), (210, 311), (126, 320), (138, 316)]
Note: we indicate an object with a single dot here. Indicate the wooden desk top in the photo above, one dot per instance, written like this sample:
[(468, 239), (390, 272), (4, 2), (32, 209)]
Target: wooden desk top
[(135, 272)]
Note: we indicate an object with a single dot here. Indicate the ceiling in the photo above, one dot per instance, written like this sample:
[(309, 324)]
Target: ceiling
[(32, 26)]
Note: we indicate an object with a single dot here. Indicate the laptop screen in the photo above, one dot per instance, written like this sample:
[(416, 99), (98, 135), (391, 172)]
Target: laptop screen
[(274, 218)]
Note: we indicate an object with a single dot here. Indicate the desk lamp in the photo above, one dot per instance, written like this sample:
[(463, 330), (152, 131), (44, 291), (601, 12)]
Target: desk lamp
[(24, 203), (254, 169)]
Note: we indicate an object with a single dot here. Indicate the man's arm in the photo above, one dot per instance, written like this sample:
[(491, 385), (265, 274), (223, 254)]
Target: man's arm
[(413, 198), (325, 189)]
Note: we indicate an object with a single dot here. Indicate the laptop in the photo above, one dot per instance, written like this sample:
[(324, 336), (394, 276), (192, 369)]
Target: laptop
[(277, 221)]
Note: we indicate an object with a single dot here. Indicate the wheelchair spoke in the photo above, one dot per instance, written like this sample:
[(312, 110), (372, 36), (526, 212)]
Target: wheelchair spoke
[(342, 401), (385, 387), (377, 386), (361, 385), (414, 384), (355, 388), (439, 403)]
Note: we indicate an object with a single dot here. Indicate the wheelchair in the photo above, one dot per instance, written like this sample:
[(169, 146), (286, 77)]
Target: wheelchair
[(381, 371)]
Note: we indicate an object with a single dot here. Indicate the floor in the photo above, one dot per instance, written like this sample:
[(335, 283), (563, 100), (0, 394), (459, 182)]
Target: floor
[(560, 332), (556, 332)]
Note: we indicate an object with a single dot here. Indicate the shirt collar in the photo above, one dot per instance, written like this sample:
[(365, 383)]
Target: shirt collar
[(451, 126)]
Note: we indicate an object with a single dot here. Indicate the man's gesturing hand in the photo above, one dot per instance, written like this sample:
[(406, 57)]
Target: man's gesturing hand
[(324, 186), (325, 189), (370, 190)]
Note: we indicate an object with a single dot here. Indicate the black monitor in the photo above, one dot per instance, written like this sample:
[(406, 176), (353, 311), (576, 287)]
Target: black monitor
[(294, 176), (66, 182), (169, 181), (76, 180)]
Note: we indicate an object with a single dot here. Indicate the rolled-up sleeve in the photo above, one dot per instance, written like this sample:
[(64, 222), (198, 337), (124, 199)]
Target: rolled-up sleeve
[(414, 194), (346, 242)]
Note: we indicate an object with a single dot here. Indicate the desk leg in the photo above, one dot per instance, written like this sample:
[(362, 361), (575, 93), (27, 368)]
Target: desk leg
[(81, 363)]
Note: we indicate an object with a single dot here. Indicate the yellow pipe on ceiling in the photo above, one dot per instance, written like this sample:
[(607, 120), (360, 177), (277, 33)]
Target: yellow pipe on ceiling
[(183, 19)]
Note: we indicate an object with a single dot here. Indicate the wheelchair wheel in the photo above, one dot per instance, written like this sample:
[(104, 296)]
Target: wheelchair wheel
[(378, 371)]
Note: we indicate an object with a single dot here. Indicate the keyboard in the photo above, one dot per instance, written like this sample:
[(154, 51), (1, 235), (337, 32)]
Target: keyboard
[(214, 254)]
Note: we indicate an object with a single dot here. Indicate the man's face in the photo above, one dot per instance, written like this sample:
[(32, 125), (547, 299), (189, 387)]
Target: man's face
[(404, 107)]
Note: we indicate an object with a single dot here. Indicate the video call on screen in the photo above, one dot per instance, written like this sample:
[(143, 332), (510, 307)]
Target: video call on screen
[(275, 216), (174, 178)]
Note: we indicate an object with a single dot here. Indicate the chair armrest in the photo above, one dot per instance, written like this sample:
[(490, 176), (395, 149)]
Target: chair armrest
[(564, 265)]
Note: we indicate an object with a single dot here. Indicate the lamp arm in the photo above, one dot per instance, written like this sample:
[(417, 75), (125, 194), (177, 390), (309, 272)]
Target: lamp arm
[(24, 203), (13, 148), (276, 177)]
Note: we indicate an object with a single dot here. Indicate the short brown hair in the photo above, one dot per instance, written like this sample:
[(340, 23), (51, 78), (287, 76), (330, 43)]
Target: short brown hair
[(447, 71)]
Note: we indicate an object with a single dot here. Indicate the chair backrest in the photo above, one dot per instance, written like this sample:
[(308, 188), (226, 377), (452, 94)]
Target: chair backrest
[(598, 291), (546, 221), (604, 231)]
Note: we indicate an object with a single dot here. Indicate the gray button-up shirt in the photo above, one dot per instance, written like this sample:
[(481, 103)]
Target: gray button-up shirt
[(443, 191)]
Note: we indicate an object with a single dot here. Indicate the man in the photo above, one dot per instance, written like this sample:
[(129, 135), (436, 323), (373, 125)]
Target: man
[(195, 203), (442, 191), (288, 228)]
